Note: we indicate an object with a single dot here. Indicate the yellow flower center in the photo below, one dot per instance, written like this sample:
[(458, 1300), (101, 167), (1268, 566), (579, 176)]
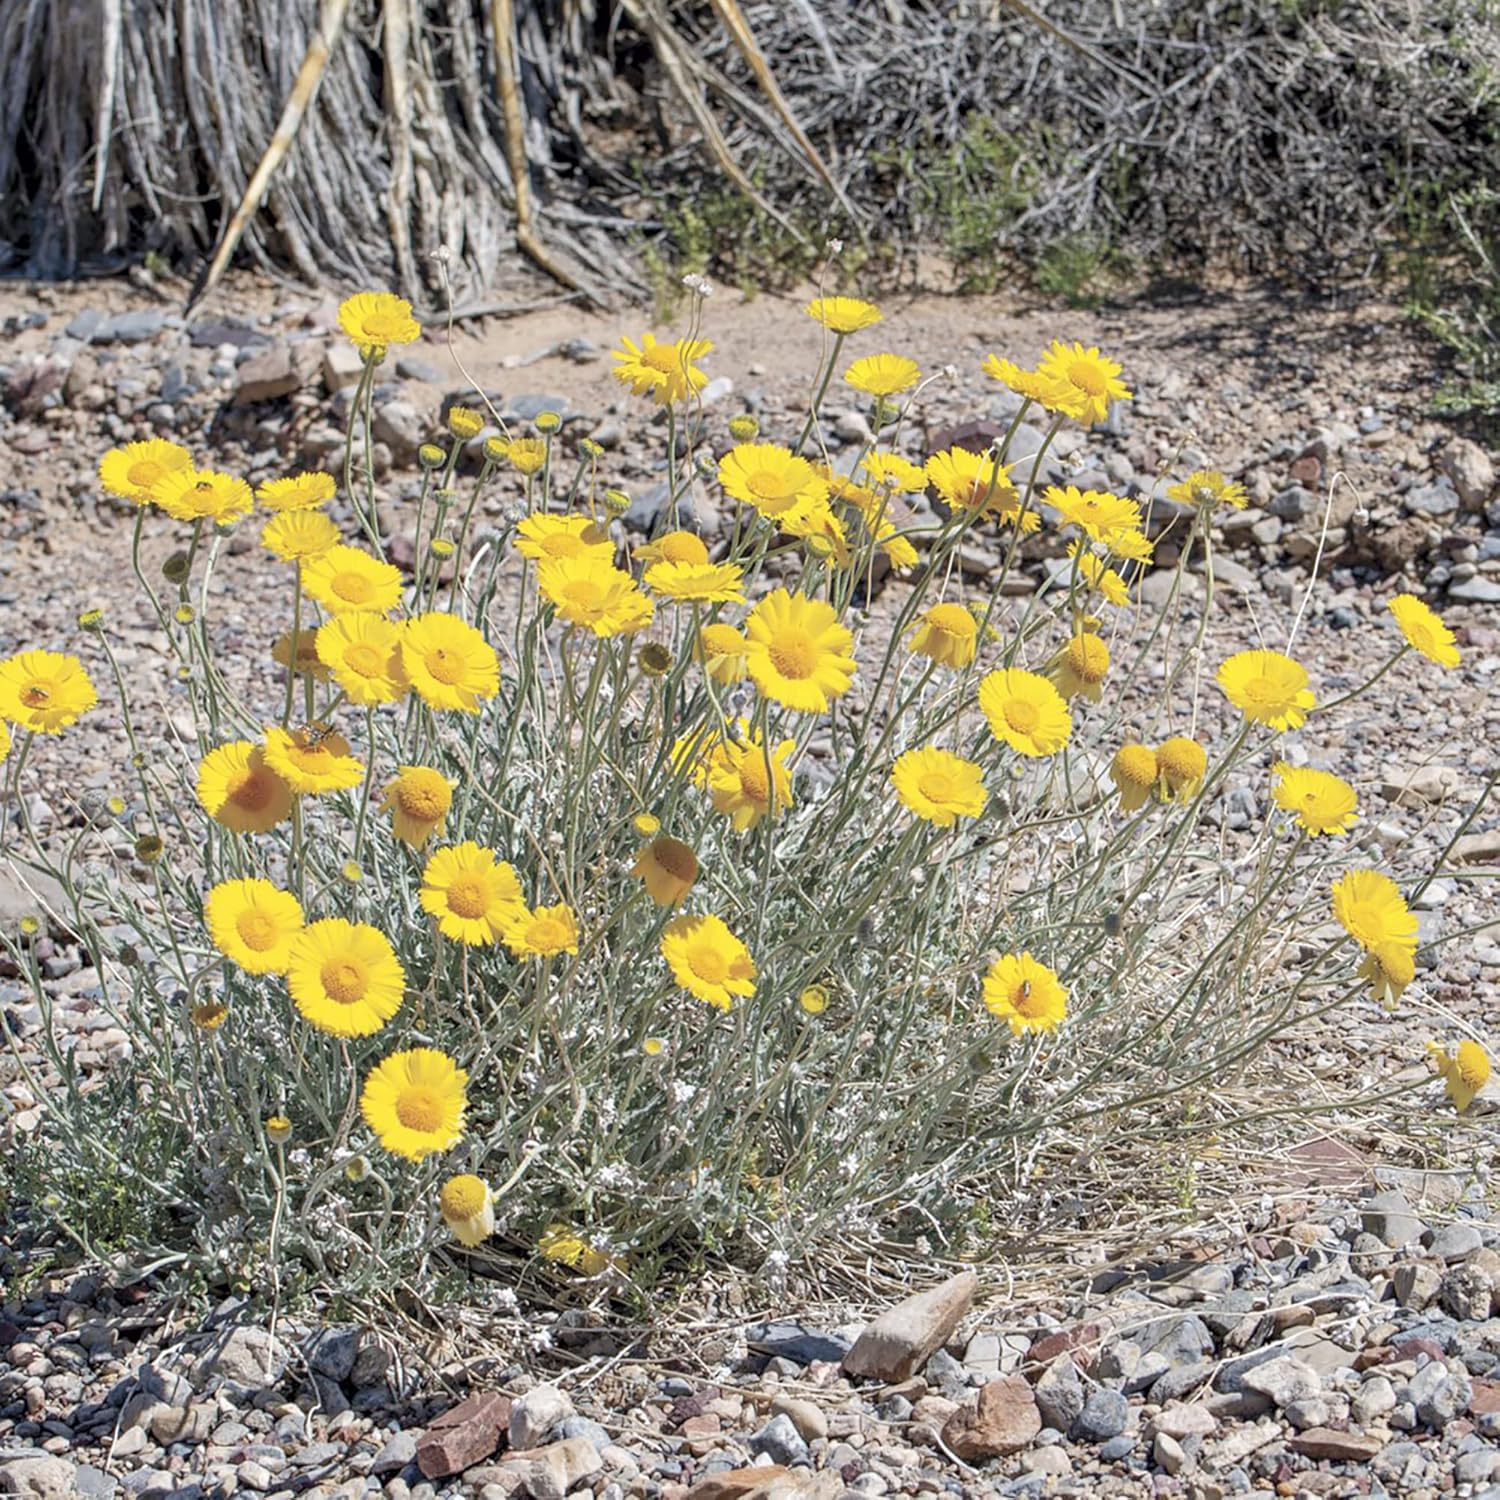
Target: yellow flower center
[(418, 801), (420, 1109), (365, 659), (35, 695), (1087, 376), (708, 963), (383, 327), (466, 897), (252, 791), (1021, 715), (666, 358), (446, 666), (144, 472), (754, 782), (344, 980), (584, 594), (773, 484), (462, 1197), (794, 654), (1089, 657), (256, 930), (353, 588), (563, 544), (683, 546), (548, 933), (1025, 997), (935, 786), (952, 619), (1264, 691)]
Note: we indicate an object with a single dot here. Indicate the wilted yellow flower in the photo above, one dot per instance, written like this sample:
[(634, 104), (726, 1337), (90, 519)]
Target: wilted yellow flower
[(1464, 1073), (1389, 969), (1080, 667), (708, 960), (938, 786), (1424, 630), (376, 319), (665, 372), (278, 1130), (673, 547), (1323, 803), (468, 1209), (1048, 390), (209, 1015), (843, 314), (891, 471), (1025, 993), (948, 634), (1181, 765), (414, 1101), (1134, 772), (667, 867), (1025, 711), (1268, 688)]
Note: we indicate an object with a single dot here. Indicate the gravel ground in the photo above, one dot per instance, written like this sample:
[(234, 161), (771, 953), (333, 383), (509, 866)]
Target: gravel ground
[(1372, 1317)]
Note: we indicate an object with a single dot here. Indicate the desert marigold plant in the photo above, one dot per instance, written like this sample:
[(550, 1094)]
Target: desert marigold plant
[(721, 887)]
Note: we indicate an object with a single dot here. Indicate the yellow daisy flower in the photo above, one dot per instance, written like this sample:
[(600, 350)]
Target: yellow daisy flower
[(674, 547), (1424, 630), (668, 868), (769, 478), (591, 593), (799, 652), (418, 801), (363, 651), (815, 522), (1099, 514), (1323, 803), (1047, 390), (883, 375), (1464, 1073), (202, 495), (344, 977), (1099, 576), (1370, 908), (1134, 772), (724, 653), (980, 484), (298, 534), (253, 924), (743, 778), (467, 1207), (891, 471), (665, 372), (239, 790), (702, 583), (131, 472), (44, 691), (312, 763), (1024, 993), (344, 578), (414, 1101), (947, 634), (541, 537), (1268, 688), (472, 895), (1389, 969), (1181, 765), (542, 933), (1025, 711), (1089, 373), (1207, 488), (299, 492), (843, 314), (708, 960), (449, 662), (1133, 546), (374, 320), (939, 787), (526, 455), (1080, 667)]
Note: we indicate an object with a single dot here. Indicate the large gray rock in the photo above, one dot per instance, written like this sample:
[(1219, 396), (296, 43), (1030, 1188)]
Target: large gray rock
[(1284, 1380), (247, 1358), (1104, 1416), (900, 1341), (39, 1478), (1059, 1393), (1390, 1218)]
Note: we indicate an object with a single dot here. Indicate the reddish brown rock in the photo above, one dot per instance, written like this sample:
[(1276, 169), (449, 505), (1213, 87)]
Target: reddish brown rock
[(1328, 1442), (900, 1341), (1486, 1397), (464, 1435), (1083, 1339), (1003, 1420)]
